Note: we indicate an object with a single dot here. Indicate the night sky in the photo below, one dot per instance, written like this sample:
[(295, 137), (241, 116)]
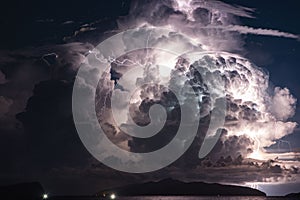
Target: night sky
[(42, 46)]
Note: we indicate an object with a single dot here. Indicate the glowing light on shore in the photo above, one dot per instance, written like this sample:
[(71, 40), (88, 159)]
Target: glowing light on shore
[(113, 196)]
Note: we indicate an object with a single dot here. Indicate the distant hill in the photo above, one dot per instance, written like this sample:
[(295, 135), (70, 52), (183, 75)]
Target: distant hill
[(22, 191), (170, 187), (293, 195)]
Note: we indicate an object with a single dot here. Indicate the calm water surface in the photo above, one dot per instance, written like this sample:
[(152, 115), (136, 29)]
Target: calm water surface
[(203, 198), (185, 198)]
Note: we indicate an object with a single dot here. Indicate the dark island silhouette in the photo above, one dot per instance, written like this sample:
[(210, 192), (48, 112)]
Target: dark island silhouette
[(170, 187), (293, 195), (167, 187), (22, 191)]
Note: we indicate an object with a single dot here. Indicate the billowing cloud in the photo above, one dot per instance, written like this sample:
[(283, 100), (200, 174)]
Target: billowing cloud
[(254, 118), (283, 104)]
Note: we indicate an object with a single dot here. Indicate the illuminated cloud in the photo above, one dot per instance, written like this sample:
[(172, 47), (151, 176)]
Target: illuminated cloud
[(254, 120), (283, 104)]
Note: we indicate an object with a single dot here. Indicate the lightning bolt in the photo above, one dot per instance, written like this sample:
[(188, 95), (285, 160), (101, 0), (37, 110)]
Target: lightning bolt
[(111, 59)]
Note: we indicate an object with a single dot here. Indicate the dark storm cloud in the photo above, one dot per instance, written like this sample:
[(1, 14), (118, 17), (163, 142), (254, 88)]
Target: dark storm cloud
[(36, 79), (5, 104), (2, 78), (22, 69), (49, 128), (233, 146), (202, 16), (37, 82), (93, 32)]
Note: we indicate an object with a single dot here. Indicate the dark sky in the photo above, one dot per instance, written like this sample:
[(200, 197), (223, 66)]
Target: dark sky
[(38, 138)]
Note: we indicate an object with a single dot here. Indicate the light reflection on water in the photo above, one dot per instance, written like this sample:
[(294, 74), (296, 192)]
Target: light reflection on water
[(202, 198), (185, 198)]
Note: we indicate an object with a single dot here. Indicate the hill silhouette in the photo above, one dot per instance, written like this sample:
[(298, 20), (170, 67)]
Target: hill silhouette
[(22, 191), (293, 195), (170, 187)]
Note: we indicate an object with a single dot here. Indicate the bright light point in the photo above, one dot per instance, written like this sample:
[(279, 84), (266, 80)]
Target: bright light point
[(112, 196), (45, 196)]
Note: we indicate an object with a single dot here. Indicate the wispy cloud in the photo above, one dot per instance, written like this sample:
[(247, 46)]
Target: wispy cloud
[(255, 31), (236, 10)]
